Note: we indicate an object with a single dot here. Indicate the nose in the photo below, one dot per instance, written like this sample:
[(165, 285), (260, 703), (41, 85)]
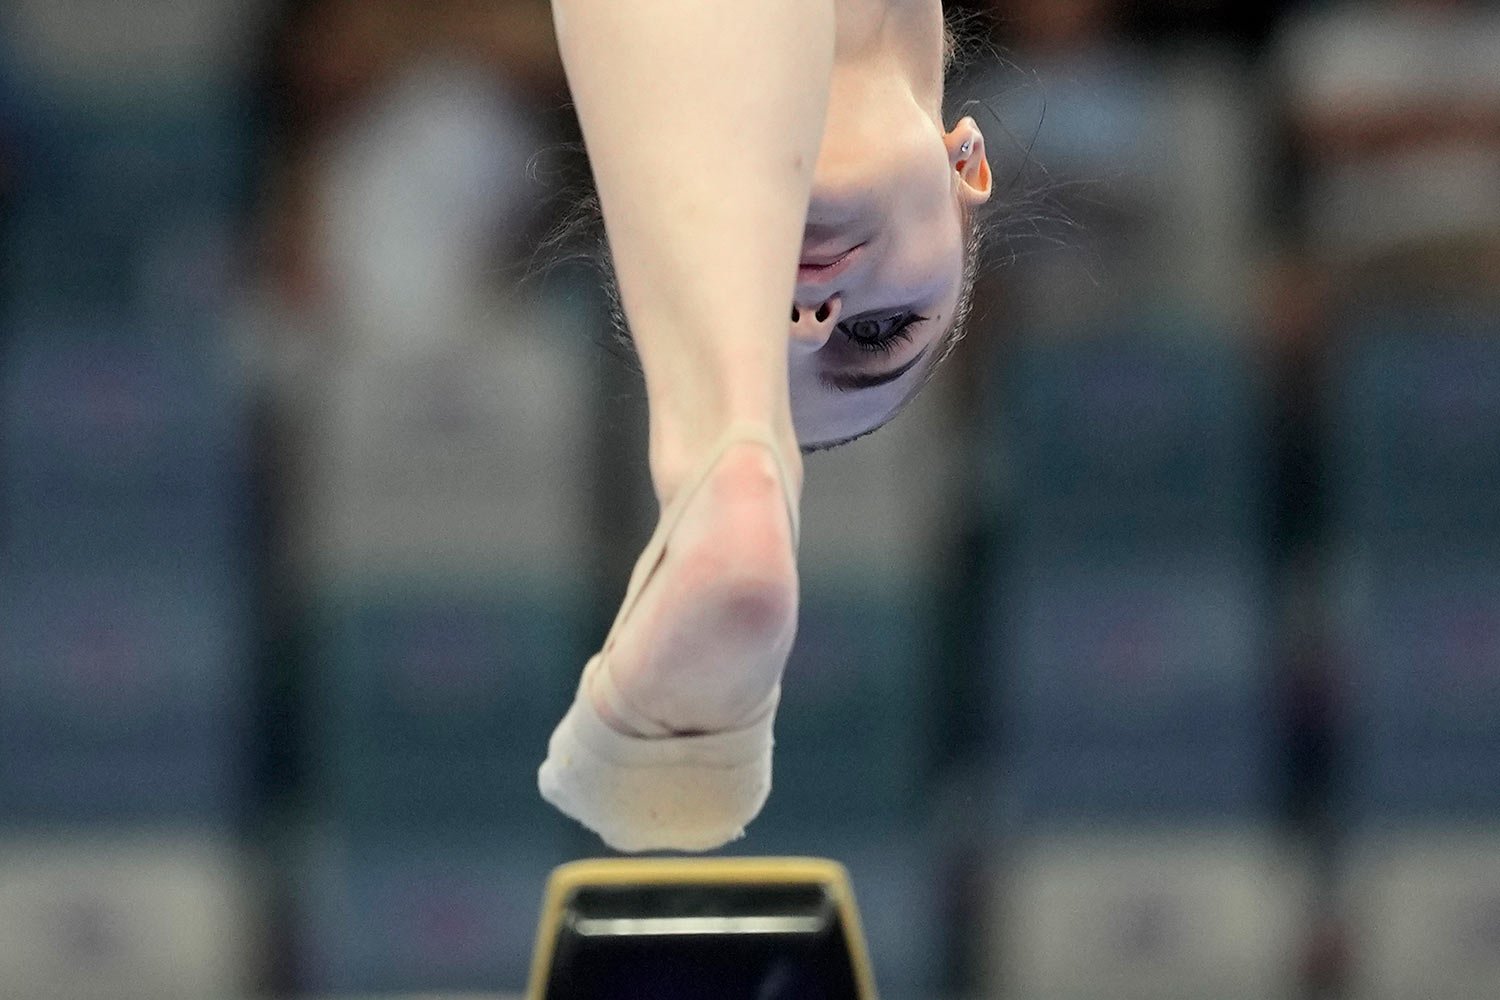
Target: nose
[(813, 324)]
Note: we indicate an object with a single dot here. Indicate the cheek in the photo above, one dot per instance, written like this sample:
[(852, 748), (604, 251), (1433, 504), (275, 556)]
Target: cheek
[(805, 393), (918, 267), (926, 268), (818, 413)]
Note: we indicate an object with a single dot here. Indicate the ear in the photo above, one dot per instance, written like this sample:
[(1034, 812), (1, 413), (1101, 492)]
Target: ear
[(966, 155)]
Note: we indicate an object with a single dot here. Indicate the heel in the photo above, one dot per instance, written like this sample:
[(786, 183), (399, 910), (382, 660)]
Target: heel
[(659, 787), (652, 556)]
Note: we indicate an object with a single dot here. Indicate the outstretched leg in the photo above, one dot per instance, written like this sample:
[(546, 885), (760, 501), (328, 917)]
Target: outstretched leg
[(703, 120)]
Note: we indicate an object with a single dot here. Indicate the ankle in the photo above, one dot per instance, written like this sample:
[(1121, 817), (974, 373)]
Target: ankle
[(677, 455)]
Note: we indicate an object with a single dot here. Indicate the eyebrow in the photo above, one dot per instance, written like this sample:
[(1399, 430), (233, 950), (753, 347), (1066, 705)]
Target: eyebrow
[(852, 381)]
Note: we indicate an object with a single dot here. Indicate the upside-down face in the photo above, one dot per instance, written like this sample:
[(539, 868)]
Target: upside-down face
[(882, 270)]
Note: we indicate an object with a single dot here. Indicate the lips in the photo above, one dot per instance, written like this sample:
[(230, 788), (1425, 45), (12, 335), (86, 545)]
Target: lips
[(818, 267)]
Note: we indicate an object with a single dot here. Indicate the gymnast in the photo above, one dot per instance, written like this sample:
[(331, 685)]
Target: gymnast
[(791, 227)]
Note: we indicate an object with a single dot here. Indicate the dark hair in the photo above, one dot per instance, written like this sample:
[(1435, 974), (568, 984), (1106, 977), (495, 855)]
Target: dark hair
[(580, 236)]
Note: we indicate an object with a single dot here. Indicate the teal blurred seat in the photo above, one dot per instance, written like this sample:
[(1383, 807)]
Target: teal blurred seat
[(1131, 690), (1126, 652), (853, 733), (1415, 431), (123, 443), (1421, 640), (108, 198), (1414, 445), (125, 697), (432, 706), (1130, 440), (419, 912)]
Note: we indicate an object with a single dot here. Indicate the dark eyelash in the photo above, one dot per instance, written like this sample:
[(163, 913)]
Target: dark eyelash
[(886, 342)]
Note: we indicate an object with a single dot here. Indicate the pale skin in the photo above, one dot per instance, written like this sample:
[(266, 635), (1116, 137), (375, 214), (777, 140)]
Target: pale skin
[(781, 198)]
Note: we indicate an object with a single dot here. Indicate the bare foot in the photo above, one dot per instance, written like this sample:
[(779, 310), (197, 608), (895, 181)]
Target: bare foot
[(710, 634)]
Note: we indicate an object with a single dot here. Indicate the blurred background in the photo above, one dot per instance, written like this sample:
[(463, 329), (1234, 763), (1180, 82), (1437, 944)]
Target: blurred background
[(1153, 653)]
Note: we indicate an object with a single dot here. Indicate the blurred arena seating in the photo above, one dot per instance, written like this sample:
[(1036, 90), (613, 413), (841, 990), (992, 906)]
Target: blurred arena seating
[(1129, 677), (126, 643), (444, 537), (311, 512), (127, 535), (1417, 419)]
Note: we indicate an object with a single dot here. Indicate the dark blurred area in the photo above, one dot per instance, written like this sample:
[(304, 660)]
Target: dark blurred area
[(1153, 653)]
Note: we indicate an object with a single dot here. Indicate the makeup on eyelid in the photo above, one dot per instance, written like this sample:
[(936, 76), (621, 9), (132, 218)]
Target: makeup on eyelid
[(849, 382)]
